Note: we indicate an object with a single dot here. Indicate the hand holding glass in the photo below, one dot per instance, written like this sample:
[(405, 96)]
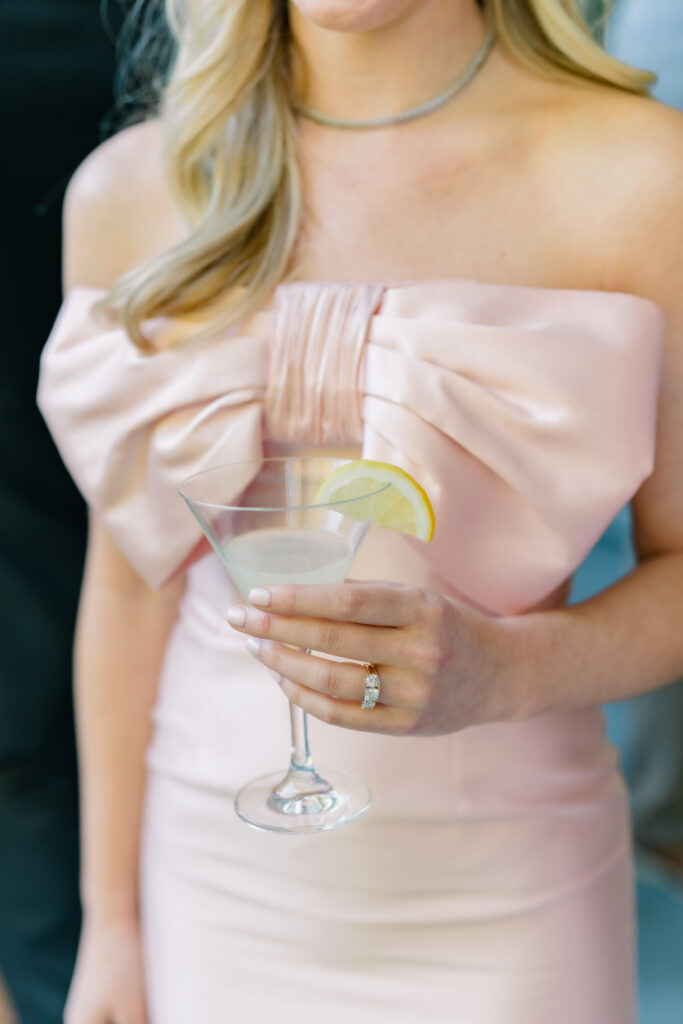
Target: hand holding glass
[(274, 533)]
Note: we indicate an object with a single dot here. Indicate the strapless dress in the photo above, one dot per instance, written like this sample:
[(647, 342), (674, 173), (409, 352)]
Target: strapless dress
[(491, 881)]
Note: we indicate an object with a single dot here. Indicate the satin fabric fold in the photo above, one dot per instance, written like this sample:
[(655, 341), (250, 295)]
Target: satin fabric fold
[(527, 414)]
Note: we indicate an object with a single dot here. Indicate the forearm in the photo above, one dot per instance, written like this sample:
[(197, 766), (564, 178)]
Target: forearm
[(121, 637), (622, 642)]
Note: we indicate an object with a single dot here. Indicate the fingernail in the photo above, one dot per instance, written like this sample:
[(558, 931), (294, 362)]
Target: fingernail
[(260, 596), (237, 616), (253, 645), (276, 675)]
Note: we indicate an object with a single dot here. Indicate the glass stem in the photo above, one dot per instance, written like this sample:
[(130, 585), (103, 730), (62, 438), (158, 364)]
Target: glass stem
[(300, 758), (302, 791)]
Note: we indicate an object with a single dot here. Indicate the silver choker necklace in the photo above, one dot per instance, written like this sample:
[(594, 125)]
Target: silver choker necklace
[(407, 115)]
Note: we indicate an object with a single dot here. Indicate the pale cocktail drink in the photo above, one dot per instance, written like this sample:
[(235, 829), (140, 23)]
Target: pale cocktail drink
[(262, 558)]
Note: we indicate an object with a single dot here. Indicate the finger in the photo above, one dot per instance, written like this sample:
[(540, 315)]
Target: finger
[(349, 714), (377, 644), (343, 680), (374, 602)]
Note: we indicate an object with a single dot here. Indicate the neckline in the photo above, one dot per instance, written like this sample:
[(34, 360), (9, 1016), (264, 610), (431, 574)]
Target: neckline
[(453, 282)]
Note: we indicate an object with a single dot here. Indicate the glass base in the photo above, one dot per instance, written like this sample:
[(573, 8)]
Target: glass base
[(303, 802)]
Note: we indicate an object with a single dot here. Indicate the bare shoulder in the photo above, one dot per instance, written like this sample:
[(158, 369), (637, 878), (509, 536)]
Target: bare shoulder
[(644, 162), (623, 168), (635, 140), (604, 123), (118, 211)]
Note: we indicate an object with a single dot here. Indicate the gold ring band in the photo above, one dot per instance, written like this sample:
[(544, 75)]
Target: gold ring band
[(371, 694)]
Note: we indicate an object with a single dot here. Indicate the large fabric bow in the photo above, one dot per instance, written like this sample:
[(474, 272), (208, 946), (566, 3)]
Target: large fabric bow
[(527, 414)]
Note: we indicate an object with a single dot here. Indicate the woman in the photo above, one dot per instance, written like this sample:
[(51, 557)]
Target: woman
[(516, 377)]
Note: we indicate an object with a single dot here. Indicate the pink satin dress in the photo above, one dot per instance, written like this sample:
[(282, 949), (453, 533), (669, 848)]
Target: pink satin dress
[(491, 881)]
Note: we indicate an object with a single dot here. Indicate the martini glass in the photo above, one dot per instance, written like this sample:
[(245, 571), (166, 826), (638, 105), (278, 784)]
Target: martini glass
[(262, 520)]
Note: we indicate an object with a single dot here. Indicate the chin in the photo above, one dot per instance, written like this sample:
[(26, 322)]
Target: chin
[(353, 15)]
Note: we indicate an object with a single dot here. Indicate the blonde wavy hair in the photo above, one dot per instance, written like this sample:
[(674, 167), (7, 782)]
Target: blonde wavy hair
[(230, 150)]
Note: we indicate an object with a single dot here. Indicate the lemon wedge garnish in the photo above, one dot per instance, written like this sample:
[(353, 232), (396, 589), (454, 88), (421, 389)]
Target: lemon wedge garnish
[(401, 505)]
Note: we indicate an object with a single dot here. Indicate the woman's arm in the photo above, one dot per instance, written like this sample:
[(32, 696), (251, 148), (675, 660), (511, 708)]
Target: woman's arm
[(444, 666), (121, 635), (120, 639), (113, 208), (629, 639), (117, 214), (122, 630)]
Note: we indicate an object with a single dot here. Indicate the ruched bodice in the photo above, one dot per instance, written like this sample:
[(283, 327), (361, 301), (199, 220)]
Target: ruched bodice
[(317, 342), (527, 414)]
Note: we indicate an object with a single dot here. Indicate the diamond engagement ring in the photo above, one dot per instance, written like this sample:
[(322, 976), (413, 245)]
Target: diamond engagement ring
[(371, 695)]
